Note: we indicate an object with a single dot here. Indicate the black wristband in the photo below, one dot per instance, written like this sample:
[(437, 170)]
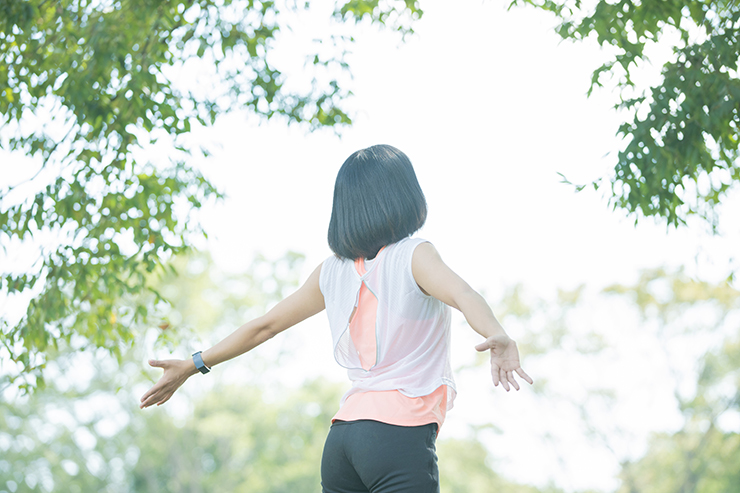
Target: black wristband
[(198, 360)]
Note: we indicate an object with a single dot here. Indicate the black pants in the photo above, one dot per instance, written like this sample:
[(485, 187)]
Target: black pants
[(372, 457)]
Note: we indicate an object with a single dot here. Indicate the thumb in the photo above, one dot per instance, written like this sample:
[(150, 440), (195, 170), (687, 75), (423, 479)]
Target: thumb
[(484, 346), (156, 363)]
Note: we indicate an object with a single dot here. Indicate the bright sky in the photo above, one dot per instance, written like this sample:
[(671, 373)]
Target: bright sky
[(489, 105)]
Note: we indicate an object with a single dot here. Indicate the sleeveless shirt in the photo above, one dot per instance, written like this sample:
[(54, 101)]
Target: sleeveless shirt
[(412, 329)]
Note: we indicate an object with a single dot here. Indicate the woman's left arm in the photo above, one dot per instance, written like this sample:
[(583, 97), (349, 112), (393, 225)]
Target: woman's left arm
[(435, 278), (304, 303)]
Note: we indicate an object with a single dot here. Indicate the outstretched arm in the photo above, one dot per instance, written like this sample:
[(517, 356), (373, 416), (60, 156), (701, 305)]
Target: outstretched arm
[(435, 278), (302, 304)]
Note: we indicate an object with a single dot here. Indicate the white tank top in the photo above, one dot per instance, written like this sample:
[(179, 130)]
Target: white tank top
[(412, 329)]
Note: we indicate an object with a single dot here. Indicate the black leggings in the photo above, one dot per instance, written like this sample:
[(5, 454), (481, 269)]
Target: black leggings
[(372, 457)]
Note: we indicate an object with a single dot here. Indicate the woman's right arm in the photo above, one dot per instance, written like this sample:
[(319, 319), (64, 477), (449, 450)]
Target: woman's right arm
[(304, 303), (435, 278)]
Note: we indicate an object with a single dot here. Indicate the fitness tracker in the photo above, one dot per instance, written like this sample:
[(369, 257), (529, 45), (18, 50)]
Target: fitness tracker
[(198, 360)]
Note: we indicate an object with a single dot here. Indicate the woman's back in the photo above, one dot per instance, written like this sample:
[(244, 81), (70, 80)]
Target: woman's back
[(412, 329)]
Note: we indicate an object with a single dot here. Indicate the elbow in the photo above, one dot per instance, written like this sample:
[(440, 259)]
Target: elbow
[(268, 329)]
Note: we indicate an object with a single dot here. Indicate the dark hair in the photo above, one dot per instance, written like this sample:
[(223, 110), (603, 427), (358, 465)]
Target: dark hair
[(377, 201)]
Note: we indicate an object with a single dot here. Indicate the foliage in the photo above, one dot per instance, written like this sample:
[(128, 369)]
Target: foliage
[(681, 155), (665, 339), (205, 301), (84, 431), (464, 466), (87, 89), (669, 295), (238, 438), (73, 435), (81, 433), (92, 439), (242, 443), (701, 457)]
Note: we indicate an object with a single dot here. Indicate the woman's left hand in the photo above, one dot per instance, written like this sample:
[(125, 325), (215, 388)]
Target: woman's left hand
[(176, 371), (504, 361)]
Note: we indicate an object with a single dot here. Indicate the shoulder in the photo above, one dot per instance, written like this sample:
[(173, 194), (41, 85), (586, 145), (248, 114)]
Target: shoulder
[(411, 256), (335, 262), (424, 248), (424, 256), (407, 246), (409, 249), (330, 269)]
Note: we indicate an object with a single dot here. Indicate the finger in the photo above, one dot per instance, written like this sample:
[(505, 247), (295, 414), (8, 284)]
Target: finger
[(148, 393), (165, 399), (503, 379), (154, 396), (526, 377), (512, 380), (494, 373), (156, 363), (148, 402), (155, 388)]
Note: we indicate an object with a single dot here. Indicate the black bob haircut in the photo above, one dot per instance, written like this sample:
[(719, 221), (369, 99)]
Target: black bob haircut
[(377, 201)]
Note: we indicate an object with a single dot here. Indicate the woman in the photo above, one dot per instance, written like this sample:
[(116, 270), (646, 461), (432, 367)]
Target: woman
[(387, 297)]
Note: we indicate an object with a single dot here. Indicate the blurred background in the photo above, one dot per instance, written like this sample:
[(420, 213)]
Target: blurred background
[(166, 174)]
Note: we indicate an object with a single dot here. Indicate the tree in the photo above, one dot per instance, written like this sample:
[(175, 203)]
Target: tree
[(701, 457), (646, 374), (465, 465), (84, 431), (243, 442), (681, 151), (86, 89)]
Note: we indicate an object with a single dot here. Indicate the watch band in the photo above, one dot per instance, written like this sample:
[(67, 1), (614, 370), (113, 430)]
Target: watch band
[(198, 360)]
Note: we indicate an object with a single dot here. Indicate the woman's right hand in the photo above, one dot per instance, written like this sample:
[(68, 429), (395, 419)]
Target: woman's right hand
[(176, 371)]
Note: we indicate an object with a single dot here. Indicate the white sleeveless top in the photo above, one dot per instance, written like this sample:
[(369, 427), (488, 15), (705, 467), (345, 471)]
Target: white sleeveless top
[(412, 329)]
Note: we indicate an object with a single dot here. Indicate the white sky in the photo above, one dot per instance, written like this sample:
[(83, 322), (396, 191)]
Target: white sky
[(489, 105)]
